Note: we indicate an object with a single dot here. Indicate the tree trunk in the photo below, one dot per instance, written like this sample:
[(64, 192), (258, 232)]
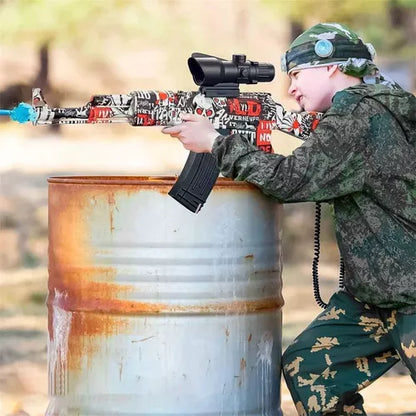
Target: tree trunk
[(296, 29), (42, 78)]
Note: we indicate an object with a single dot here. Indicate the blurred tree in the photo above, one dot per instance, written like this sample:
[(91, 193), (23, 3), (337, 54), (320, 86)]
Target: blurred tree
[(389, 24), (81, 22), (39, 23), (89, 30)]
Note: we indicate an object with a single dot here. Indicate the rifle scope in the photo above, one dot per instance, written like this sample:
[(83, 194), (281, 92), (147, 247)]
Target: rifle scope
[(209, 70)]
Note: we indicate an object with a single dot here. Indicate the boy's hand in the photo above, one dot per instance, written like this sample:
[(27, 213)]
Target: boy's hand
[(196, 133)]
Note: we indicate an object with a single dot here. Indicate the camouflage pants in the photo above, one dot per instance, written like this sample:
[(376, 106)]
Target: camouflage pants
[(348, 346)]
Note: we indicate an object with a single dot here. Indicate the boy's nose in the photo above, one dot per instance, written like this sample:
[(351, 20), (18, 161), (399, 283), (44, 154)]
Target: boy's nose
[(292, 89)]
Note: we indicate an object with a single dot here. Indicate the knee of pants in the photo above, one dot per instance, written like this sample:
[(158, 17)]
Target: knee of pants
[(289, 360), (285, 357)]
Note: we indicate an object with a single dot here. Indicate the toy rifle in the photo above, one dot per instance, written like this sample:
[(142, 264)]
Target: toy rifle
[(252, 114)]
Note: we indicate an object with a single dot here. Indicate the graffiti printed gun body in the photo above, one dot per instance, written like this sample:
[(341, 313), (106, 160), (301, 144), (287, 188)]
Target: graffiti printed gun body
[(252, 114)]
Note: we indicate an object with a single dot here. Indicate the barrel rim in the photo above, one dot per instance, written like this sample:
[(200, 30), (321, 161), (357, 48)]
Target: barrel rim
[(128, 180)]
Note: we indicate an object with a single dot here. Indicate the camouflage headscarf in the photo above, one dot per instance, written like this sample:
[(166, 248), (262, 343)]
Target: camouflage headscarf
[(332, 43)]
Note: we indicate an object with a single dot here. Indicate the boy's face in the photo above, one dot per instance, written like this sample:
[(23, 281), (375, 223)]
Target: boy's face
[(312, 88)]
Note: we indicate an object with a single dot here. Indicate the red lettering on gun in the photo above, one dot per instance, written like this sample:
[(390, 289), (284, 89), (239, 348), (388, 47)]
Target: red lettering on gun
[(145, 120), (264, 134), (242, 107), (99, 114), (254, 108)]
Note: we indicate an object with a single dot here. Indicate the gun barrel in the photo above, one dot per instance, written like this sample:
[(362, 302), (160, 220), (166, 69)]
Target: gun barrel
[(5, 112)]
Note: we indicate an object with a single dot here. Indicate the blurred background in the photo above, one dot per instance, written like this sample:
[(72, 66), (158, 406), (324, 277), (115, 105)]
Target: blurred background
[(73, 49)]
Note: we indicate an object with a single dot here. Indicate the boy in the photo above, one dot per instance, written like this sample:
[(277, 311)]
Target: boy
[(361, 158)]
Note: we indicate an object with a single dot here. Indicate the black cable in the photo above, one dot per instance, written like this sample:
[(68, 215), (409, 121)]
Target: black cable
[(341, 273), (315, 261), (316, 253)]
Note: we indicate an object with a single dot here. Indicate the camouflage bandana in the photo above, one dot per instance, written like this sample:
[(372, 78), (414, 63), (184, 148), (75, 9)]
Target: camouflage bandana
[(334, 44), (367, 71)]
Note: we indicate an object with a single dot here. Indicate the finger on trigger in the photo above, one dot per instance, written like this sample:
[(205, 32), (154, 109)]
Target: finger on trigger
[(189, 117), (172, 129)]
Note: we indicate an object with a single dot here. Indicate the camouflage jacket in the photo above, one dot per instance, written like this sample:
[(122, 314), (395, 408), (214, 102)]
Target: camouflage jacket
[(362, 158)]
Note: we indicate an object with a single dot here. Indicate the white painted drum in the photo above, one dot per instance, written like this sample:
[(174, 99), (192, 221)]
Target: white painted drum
[(154, 310)]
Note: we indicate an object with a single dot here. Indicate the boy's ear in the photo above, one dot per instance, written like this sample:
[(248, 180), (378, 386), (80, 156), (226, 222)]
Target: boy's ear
[(332, 69)]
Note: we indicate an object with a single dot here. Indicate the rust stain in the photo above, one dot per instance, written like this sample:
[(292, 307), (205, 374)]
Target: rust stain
[(249, 257), (112, 204), (110, 198), (157, 183), (120, 368), (77, 301), (90, 304), (243, 366), (143, 339), (250, 337), (141, 181), (75, 285), (88, 331)]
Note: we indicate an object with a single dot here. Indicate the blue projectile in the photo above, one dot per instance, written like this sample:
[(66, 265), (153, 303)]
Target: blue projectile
[(22, 113)]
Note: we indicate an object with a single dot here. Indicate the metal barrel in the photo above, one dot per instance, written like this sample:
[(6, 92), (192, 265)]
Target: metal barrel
[(154, 310)]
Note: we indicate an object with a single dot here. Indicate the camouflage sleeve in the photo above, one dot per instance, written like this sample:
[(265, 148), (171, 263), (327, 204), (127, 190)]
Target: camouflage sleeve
[(330, 164)]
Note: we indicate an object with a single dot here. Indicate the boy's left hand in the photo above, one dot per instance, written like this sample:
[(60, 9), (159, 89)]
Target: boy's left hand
[(196, 133)]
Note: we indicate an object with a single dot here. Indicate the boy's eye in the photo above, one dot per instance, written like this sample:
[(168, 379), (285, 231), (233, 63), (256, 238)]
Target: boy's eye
[(295, 74)]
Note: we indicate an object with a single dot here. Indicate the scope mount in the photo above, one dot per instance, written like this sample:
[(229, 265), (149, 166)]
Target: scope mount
[(229, 90)]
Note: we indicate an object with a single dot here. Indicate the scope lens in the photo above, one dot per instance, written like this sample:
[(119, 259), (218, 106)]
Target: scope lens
[(196, 71), (265, 73)]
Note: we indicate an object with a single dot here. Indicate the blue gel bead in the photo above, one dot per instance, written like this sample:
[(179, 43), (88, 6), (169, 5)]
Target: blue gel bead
[(23, 113)]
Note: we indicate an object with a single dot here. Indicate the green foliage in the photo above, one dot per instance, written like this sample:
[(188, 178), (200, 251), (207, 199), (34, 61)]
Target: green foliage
[(82, 22), (371, 19), (42, 20), (347, 11), (97, 31), (38, 298), (30, 261), (410, 4)]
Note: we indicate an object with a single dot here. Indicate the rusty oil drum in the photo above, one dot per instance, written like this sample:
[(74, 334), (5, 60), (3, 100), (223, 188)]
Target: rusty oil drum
[(154, 310)]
